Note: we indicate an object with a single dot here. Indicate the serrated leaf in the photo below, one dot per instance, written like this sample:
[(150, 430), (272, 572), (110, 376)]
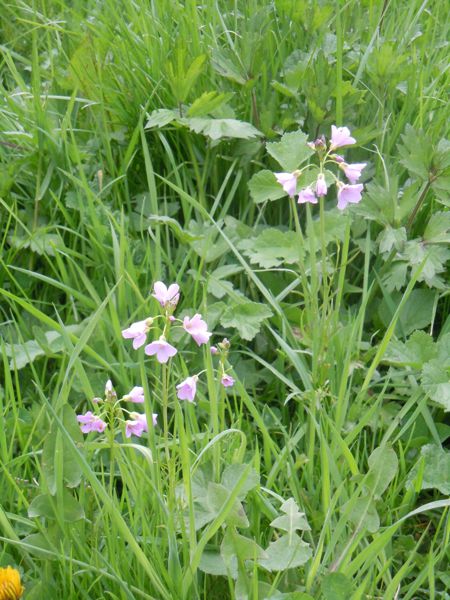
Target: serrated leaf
[(47, 506), (161, 117), (291, 151), (264, 186), (217, 129), (246, 317), (416, 351), (207, 103), (391, 238), (292, 520), (438, 228), (436, 469), (395, 276), (436, 382), (288, 552), (208, 244), (216, 498), (272, 247)]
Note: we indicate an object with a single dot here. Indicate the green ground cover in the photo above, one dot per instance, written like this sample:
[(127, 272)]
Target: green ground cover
[(138, 144)]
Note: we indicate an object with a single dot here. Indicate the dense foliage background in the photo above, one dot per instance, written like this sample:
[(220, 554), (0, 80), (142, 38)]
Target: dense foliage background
[(132, 135)]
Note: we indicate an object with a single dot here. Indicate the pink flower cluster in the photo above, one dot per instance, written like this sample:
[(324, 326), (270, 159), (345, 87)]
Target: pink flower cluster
[(347, 193), (111, 411)]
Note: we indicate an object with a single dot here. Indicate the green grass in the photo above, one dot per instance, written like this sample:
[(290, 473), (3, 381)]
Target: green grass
[(95, 207)]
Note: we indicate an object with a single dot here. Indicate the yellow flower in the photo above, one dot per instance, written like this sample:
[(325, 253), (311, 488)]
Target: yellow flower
[(10, 586)]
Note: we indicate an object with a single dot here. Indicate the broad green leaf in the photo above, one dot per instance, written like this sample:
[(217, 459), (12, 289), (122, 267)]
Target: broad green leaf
[(57, 448), (335, 224), (391, 238), (417, 311), (232, 475), (246, 317), (336, 586), (383, 466), (263, 186), (225, 66), (289, 596), (288, 552), (363, 513), (416, 151), (217, 496), (395, 277), (217, 129), (292, 520), (438, 228), (236, 545), (436, 469), (416, 351), (207, 103), (47, 506), (213, 563), (436, 382), (291, 151), (161, 117), (208, 244), (272, 247)]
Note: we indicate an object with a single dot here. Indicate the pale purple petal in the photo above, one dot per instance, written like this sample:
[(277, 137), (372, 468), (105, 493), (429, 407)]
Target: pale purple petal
[(162, 349), (353, 172), (136, 395), (155, 419), (197, 328), (340, 136), (166, 295), (288, 181), (307, 195), (321, 186), (187, 389), (349, 194), (90, 422), (137, 332), (227, 380)]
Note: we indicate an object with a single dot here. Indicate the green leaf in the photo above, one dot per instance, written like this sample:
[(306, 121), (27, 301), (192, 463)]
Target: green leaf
[(207, 103), (416, 152), (417, 311), (236, 545), (48, 506), (383, 466), (216, 498), (436, 469), (416, 351), (246, 317), (208, 243), (271, 248), (336, 586), (161, 117), (226, 67), (232, 475), (438, 228), (263, 186), (293, 519), (58, 451), (390, 239), (288, 552), (291, 151), (363, 513), (212, 563), (217, 129), (181, 234), (436, 382)]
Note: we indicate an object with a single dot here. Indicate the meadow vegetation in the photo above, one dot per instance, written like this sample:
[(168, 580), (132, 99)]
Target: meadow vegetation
[(304, 457)]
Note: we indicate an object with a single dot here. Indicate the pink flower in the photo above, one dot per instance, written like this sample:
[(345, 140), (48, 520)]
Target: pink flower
[(187, 389), (213, 350), (138, 332), (288, 181), (136, 395), (197, 328), (340, 136), (353, 172), (321, 186), (138, 425), (307, 195), (227, 380), (348, 194), (162, 349), (90, 422), (166, 295)]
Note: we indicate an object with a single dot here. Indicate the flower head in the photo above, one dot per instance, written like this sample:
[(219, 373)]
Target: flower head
[(213, 350), (197, 328), (187, 389), (321, 186), (307, 195), (10, 586), (90, 422), (162, 349), (340, 136), (166, 296), (137, 425), (136, 395), (288, 181), (227, 380), (352, 172), (348, 194), (138, 332)]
